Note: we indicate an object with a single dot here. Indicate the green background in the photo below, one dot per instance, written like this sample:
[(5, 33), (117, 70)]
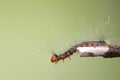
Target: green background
[(31, 30)]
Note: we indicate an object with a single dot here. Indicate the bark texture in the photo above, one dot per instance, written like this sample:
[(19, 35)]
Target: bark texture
[(114, 51)]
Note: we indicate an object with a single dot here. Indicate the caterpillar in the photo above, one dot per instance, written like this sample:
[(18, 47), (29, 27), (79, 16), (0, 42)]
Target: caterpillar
[(55, 57)]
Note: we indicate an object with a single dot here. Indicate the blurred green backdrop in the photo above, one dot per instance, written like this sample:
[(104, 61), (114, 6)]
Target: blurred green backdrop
[(30, 29)]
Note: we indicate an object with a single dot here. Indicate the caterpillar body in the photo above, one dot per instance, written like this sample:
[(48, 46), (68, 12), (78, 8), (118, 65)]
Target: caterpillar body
[(57, 57)]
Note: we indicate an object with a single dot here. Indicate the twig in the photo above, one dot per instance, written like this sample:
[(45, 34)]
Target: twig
[(110, 51), (114, 51)]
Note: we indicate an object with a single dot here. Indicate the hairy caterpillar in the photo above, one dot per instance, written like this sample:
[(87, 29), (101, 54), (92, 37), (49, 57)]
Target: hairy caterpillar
[(55, 57)]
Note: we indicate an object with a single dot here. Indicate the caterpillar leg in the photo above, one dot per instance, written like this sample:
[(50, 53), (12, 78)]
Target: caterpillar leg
[(89, 45), (94, 45), (63, 60), (107, 44), (69, 58), (56, 62)]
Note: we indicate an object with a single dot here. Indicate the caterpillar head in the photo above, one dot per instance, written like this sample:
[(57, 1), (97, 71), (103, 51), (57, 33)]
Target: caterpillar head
[(54, 58)]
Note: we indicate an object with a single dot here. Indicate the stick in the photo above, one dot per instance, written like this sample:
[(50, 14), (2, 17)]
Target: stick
[(104, 51), (114, 51)]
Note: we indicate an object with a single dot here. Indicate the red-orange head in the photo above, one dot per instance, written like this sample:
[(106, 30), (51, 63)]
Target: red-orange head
[(54, 58)]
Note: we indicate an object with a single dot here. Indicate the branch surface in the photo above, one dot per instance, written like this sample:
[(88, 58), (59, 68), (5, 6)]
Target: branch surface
[(114, 51), (110, 51)]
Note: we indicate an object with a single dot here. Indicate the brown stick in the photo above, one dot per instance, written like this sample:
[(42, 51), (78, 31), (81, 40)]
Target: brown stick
[(114, 51)]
